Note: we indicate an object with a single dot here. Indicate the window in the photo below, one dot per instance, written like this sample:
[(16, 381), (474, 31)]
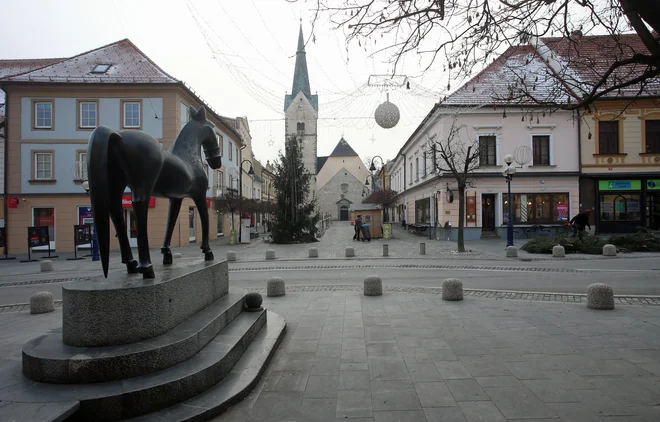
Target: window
[(185, 116), (487, 156), (608, 137), (300, 128), (101, 68), (620, 207), (416, 168), (652, 136), (82, 166), (43, 114), (423, 211), (424, 165), (88, 114), (541, 149), (537, 208), (231, 150), (411, 174), (43, 165), (131, 114), (221, 143), (220, 176)]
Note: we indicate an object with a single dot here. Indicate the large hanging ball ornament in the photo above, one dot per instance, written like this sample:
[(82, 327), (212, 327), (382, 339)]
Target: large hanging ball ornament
[(387, 114)]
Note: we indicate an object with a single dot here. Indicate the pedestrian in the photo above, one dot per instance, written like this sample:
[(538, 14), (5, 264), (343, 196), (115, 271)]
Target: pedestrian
[(579, 222), (358, 228)]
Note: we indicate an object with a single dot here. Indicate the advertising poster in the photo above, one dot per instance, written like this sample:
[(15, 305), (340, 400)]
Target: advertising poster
[(85, 215), (245, 230), (562, 212), (38, 236), (83, 234), (387, 231), (232, 237)]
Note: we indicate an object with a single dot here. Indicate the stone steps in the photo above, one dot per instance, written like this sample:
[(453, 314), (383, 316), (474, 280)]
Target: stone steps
[(48, 359), (234, 387), (121, 399)]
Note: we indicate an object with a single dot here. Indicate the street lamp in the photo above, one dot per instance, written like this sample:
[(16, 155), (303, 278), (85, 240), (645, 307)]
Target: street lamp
[(373, 184), (95, 242), (240, 193), (373, 167), (508, 172)]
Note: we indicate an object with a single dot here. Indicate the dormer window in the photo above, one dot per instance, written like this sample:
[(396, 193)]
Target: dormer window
[(101, 68)]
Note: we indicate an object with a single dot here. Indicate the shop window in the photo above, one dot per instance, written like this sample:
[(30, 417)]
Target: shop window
[(541, 149), (652, 128), (423, 211), (487, 156), (620, 207), (608, 137), (45, 217), (537, 208)]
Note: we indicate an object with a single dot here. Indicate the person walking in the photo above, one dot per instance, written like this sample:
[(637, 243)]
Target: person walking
[(358, 228), (579, 222)]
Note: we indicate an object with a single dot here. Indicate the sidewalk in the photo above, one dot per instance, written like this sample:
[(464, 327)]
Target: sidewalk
[(413, 357)]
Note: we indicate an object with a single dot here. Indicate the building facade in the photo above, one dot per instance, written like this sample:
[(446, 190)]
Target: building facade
[(51, 111)]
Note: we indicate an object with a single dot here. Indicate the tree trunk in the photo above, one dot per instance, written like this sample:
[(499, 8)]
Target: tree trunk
[(461, 217)]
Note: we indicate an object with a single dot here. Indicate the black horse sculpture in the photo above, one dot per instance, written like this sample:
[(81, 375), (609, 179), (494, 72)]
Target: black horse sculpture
[(135, 159)]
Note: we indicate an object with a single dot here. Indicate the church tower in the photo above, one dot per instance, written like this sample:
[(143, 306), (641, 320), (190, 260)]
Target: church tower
[(301, 112)]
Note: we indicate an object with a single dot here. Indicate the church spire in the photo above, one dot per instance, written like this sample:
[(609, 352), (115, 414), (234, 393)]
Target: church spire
[(300, 76)]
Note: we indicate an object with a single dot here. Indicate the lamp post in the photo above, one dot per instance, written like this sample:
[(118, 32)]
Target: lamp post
[(95, 242), (508, 173), (240, 193), (366, 182), (372, 168)]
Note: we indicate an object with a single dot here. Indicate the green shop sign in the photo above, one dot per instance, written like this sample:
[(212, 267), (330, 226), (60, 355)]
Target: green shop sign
[(653, 185), (619, 185)]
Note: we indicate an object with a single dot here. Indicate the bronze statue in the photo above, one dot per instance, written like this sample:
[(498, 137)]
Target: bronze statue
[(135, 159)]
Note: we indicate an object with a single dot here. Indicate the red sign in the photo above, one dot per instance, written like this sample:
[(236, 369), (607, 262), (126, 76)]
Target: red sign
[(208, 203), (12, 202), (127, 201)]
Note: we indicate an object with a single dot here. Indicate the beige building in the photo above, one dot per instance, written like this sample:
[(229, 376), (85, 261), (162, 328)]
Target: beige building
[(52, 107)]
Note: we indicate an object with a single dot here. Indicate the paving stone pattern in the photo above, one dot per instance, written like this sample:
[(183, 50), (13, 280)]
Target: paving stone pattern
[(416, 358)]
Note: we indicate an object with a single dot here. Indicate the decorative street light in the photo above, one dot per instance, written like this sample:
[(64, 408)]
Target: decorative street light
[(366, 182), (373, 167), (240, 193), (508, 172), (95, 242)]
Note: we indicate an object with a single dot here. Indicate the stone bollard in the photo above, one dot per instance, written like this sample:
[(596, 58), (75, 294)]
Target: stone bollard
[(231, 256), (275, 287), (253, 302), (313, 253), (270, 254), (600, 296), (46, 265), (177, 255), (511, 252), (373, 286), (350, 252), (452, 289), (422, 248), (41, 303), (386, 250), (558, 251), (609, 250)]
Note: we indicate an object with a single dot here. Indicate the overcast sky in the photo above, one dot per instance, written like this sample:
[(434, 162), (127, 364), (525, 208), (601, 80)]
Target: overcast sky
[(239, 56)]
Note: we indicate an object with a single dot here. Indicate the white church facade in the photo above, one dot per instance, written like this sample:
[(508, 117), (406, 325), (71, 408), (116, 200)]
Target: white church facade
[(338, 180)]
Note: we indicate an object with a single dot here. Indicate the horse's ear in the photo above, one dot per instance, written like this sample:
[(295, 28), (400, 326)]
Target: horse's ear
[(200, 115), (192, 112)]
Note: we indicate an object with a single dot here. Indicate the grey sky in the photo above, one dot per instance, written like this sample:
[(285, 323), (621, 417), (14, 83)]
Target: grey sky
[(239, 56)]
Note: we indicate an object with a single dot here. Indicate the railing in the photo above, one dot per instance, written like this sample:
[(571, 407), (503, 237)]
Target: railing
[(225, 191)]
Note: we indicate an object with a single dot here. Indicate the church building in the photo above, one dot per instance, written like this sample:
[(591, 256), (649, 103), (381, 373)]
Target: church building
[(338, 180)]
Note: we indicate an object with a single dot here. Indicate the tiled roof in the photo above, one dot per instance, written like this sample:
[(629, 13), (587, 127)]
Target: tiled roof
[(492, 85), (129, 65), (591, 56), (18, 66), (343, 149)]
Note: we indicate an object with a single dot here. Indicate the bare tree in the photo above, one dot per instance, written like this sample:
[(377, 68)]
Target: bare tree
[(458, 157), (467, 34)]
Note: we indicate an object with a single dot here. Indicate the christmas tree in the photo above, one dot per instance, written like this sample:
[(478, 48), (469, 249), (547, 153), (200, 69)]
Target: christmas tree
[(295, 215)]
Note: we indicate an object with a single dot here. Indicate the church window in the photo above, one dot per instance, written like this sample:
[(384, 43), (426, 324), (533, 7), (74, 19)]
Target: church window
[(300, 128)]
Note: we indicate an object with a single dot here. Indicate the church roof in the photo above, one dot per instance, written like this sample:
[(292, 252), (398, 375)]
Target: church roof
[(301, 76), (319, 163), (343, 149)]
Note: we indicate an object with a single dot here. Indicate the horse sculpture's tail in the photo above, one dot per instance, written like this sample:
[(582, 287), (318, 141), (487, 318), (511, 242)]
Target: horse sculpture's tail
[(98, 153)]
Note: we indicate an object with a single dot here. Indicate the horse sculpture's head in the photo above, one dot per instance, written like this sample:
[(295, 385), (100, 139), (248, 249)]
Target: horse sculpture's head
[(208, 139)]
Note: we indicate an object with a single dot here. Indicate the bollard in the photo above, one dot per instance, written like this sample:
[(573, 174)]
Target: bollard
[(609, 250), (511, 252), (275, 287), (313, 253), (452, 289), (386, 250), (41, 303), (46, 265), (600, 296), (558, 251), (270, 254), (349, 252), (373, 286), (422, 248), (231, 256)]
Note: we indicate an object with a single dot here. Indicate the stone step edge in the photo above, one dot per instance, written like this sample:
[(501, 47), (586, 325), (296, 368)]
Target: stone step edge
[(235, 387), (47, 359), (121, 399)]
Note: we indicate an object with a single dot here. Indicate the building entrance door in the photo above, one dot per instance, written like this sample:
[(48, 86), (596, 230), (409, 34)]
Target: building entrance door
[(131, 227), (488, 212), (343, 213), (653, 211)]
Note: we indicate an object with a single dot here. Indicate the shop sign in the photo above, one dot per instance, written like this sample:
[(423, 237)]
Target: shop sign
[(619, 185), (653, 184), (85, 215), (127, 201), (12, 202)]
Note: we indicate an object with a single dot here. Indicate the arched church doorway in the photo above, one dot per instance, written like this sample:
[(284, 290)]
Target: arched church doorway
[(343, 213)]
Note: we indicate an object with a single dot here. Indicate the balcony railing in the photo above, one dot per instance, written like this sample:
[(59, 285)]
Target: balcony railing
[(225, 191)]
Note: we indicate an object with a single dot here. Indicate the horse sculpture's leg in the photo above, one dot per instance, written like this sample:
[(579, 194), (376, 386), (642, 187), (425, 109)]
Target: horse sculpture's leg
[(173, 214), (141, 209), (200, 203)]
